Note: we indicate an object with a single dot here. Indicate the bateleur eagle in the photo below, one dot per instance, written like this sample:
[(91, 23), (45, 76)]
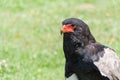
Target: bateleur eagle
[(87, 59)]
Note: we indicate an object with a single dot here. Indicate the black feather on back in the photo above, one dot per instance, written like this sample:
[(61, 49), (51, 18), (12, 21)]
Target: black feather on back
[(92, 52)]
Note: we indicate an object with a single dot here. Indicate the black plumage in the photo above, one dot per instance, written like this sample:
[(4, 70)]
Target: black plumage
[(85, 57)]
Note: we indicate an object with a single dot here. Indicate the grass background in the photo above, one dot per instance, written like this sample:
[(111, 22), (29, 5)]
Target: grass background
[(30, 40)]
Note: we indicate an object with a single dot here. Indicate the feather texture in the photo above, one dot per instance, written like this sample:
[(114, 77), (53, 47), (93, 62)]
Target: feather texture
[(85, 57)]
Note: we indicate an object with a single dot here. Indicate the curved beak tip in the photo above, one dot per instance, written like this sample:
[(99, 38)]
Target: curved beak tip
[(61, 32)]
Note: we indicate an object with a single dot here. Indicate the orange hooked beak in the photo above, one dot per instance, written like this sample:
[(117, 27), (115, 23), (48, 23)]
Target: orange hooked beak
[(67, 28)]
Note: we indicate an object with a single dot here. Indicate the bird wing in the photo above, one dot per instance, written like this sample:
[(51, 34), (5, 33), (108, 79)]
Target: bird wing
[(109, 64)]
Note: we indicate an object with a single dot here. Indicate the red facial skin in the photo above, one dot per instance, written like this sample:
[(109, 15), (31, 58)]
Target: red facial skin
[(67, 28)]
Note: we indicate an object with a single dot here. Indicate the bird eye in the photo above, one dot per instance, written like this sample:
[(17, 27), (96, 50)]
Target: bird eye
[(72, 25)]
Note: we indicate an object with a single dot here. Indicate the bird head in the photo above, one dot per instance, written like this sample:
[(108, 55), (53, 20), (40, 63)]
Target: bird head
[(76, 30)]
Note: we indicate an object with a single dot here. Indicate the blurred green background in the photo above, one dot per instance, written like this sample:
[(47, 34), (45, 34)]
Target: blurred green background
[(30, 40)]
